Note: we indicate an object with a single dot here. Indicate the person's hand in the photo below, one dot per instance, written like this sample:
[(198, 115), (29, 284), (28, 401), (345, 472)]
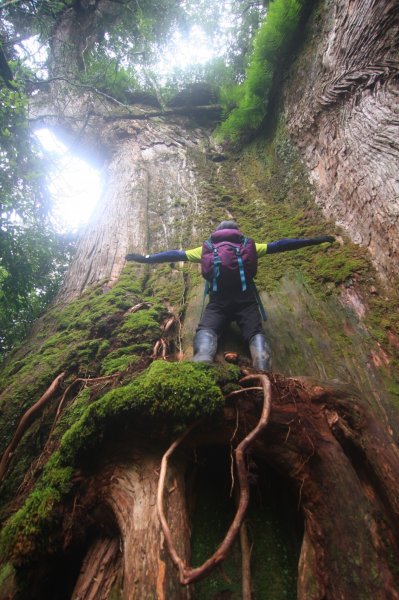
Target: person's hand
[(136, 257)]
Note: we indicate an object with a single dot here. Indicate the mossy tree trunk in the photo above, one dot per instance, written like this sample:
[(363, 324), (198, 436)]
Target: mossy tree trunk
[(79, 495), (345, 121)]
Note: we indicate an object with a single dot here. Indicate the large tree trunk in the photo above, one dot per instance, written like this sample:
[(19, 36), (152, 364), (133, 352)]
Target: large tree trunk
[(345, 121), (319, 438), (150, 181), (127, 489), (323, 515)]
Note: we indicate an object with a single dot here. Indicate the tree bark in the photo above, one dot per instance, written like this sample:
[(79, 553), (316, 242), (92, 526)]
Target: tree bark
[(151, 181), (345, 122), (341, 465), (127, 489)]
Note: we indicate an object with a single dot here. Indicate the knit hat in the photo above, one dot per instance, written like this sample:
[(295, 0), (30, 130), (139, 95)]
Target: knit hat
[(227, 225)]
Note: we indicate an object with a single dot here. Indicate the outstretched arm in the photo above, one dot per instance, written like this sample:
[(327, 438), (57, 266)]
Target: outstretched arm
[(160, 257), (286, 244)]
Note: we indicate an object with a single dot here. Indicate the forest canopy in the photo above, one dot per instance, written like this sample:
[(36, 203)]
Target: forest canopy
[(118, 53)]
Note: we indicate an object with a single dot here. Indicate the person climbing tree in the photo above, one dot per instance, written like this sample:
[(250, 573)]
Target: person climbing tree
[(229, 264)]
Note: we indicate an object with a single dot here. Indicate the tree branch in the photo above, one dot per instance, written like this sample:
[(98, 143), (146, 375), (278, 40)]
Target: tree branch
[(184, 111), (181, 110), (9, 3), (90, 88)]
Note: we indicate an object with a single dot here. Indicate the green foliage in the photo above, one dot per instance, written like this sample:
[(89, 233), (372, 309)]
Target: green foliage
[(230, 26), (32, 257), (35, 16), (272, 44), (119, 64), (109, 76), (124, 61)]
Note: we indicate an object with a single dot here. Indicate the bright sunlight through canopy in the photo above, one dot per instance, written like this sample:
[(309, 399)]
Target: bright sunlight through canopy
[(74, 185)]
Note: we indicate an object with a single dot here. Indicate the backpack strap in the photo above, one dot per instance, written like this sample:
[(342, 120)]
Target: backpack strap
[(259, 301), (241, 270), (206, 292), (216, 268)]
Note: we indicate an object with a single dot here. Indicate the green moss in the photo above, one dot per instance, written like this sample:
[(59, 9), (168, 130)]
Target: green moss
[(93, 335), (272, 527), (118, 361), (275, 551), (338, 267), (7, 578), (272, 44), (265, 188), (166, 283), (26, 531), (103, 348), (175, 393), (214, 512), (182, 391), (143, 321), (269, 195), (74, 412)]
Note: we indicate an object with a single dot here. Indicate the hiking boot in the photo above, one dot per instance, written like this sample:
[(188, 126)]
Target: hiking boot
[(205, 346), (260, 353)]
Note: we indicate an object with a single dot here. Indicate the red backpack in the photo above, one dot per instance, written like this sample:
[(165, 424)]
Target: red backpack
[(229, 260)]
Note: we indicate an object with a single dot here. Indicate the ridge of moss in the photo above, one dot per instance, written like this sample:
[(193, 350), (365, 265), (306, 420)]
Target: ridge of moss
[(176, 393), (92, 335), (266, 189), (67, 339)]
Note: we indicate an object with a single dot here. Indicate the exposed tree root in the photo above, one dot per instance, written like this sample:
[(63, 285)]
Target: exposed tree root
[(48, 447), (161, 345), (25, 422), (245, 563), (84, 380), (336, 458), (139, 306), (242, 391), (246, 585), (187, 574)]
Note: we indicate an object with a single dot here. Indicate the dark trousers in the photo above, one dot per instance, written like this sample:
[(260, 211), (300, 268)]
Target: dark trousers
[(223, 308)]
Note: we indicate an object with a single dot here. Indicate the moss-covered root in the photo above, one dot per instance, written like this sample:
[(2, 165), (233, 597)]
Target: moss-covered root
[(176, 393)]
